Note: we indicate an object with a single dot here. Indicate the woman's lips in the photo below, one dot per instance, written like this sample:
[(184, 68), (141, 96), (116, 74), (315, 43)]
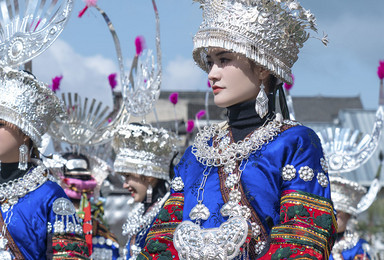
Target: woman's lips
[(216, 89)]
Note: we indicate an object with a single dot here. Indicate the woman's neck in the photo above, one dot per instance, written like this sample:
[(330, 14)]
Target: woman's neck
[(243, 119), (11, 171)]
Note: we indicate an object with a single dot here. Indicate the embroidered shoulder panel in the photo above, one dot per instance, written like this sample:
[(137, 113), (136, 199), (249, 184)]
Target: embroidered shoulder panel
[(307, 227), (159, 243)]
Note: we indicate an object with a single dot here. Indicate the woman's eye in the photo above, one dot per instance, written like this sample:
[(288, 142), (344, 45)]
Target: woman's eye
[(209, 64)]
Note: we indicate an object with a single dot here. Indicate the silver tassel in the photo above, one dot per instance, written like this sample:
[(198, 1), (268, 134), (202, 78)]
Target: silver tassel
[(23, 157), (261, 105), (149, 194)]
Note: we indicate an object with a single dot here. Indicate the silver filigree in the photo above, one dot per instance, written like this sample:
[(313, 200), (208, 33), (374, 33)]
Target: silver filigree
[(144, 150), (259, 247), (64, 207), (256, 230), (12, 191), (322, 179), (268, 32), (211, 155), (306, 173), (221, 243), (177, 184), (27, 103), (288, 173), (231, 180)]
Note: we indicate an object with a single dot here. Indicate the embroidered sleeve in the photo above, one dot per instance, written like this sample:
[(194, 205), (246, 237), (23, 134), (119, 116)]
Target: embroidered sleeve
[(65, 233), (159, 243), (307, 228)]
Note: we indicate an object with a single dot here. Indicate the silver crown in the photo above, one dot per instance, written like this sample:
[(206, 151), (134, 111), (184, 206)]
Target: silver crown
[(346, 194), (144, 150), (269, 32), (28, 28), (27, 103)]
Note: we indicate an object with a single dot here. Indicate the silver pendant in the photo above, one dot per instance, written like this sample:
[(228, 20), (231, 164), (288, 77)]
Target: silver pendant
[(200, 211), (222, 243)]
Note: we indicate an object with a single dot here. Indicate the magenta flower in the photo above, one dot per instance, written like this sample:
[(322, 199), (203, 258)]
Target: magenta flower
[(380, 70), (190, 126), (112, 80), (56, 83), (289, 86), (174, 97), (140, 45), (209, 84), (200, 114)]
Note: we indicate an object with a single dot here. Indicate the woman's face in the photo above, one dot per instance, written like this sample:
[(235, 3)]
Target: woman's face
[(232, 77), (137, 185), (11, 138), (342, 221)]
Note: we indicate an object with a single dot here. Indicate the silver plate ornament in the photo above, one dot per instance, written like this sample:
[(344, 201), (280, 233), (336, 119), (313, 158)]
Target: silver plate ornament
[(224, 242), (63, 207)]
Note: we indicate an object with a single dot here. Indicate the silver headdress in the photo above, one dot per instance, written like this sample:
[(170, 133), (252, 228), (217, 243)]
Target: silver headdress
[(346, 194), (144, 150), (28, 28), (27, 103), (269, 32)]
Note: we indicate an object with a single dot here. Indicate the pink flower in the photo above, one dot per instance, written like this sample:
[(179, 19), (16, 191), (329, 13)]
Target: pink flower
[(112, 80), (380, 70), (174, 97), (140, 45), (200, 114), (289, 86), (56, 83), (190, 126), (209, 84)]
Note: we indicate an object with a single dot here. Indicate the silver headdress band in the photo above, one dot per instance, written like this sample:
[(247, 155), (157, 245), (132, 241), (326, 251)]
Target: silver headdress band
[(144, 150), (269, 32), (346, 194), (27, 103)]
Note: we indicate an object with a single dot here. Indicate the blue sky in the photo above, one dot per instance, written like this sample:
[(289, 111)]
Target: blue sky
[(84, 53)]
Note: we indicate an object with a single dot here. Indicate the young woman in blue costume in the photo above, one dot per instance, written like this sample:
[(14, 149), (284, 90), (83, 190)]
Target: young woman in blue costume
[(255, 186), (38, 220)]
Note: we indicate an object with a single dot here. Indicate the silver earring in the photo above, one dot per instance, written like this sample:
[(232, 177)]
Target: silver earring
[(23, 157), (149, 193), (261, 105)]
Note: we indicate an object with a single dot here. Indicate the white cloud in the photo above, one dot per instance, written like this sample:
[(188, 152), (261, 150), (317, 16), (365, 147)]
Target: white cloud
[(87, 76), (183, 75)]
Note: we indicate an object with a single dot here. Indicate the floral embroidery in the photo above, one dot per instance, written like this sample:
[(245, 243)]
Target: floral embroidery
[(177, 184), (306, 173), (322, 179), (289, 172)]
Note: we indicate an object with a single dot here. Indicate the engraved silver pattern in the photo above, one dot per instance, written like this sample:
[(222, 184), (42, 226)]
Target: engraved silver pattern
[(268, 32), (221, 243), (144, 150), (27, 103)]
